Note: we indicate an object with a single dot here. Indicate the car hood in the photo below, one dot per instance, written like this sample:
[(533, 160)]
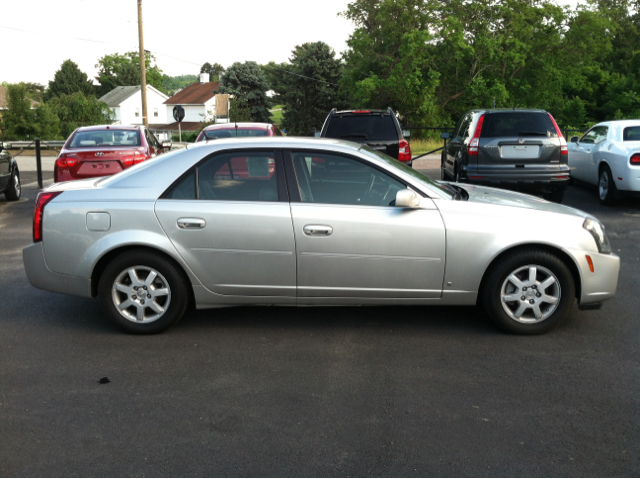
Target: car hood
[(495, 196)]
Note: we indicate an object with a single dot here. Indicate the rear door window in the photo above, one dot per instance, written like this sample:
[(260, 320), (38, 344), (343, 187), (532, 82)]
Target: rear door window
[(518, 124), (362, 128)]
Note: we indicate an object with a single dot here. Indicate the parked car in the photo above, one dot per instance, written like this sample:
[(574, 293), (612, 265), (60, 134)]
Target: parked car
[(104, 150), (238, 130), (608, 155), (379, 129), (9, 175), (516, 149), (357, 228)]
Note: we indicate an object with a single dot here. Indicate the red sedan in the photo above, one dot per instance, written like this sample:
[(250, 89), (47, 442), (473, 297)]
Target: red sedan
[(239, 130), (103, 150)]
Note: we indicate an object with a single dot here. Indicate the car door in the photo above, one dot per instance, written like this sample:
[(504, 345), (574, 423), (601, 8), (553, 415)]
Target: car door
[(229, 219), (593, 156), (456, 144), (581, 154), (351, 241), (153, 144), (5, 169)]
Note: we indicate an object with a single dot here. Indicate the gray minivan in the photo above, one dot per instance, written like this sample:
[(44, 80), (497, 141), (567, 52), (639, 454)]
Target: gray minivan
[(515, 149)]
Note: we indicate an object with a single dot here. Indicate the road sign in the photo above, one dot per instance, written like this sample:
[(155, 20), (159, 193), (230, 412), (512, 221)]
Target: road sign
[(178, 113)]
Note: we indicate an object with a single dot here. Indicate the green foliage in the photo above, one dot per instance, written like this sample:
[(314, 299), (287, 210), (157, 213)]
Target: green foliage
[(214, 70), (247, 83), (171, 85), (313, 90), (69, 79), (20, 122), (239, 110), (277, 75), (124, 70), (77, 110)]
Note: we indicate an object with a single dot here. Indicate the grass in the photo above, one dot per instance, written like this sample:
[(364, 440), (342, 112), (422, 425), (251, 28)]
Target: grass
[(276, 116), (419, 147)]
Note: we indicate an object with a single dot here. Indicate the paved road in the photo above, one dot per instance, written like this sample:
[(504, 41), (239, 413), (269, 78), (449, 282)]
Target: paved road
[(405, 391)]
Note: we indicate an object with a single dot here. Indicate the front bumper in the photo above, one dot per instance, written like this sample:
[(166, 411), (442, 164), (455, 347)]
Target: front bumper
[(600, 285), (42, 277)]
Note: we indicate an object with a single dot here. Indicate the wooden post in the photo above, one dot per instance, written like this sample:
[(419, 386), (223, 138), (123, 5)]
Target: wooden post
[(143, 70)]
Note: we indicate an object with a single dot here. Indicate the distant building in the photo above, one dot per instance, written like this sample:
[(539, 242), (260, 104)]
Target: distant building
[(125, 103)]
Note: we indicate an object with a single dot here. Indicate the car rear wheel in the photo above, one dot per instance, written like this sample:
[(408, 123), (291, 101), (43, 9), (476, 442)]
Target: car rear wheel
[(607, 191), (14, 189), (143, 293), (528, 292)]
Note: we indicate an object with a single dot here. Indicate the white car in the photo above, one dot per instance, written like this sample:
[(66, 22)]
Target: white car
[(608, 155)]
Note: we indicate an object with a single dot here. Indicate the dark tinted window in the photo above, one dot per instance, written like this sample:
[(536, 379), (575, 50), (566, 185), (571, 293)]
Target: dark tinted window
[(517, 123), (362, 127), (233, 133), (105, 138), (631, 133), (186, 189), (334, 179)]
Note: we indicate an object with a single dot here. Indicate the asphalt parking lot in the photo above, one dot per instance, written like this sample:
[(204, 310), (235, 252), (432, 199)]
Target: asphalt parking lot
[(404, 391)]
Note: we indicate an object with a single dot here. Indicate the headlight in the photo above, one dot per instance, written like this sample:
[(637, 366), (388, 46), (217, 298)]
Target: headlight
[(597, 231)]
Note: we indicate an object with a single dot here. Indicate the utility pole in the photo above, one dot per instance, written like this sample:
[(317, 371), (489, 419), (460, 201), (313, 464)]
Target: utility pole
[(143, 70)]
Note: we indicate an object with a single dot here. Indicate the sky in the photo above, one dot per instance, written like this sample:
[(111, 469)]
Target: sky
[(38, 35)]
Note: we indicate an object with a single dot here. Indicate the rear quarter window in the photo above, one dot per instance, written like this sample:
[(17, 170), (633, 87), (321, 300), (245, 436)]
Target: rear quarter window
[(631, 133), (517, 123)]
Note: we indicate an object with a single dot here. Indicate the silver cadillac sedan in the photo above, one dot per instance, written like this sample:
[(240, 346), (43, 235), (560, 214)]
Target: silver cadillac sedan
[(294, 221)]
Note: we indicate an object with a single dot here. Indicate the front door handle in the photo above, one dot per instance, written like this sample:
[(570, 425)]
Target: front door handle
[(317, 230), (191, 223)]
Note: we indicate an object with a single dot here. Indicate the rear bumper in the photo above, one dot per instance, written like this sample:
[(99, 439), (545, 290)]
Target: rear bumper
[(42, 277), (527, 179)]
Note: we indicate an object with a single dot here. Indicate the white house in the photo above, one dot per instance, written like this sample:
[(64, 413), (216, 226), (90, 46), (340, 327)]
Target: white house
[(125, 103)]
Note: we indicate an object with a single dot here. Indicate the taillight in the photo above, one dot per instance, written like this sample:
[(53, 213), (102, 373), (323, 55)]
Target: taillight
[(63, 161), (41, 201), (564, 148), (404, 151), (474, 144), (635, 159), (134, 159)]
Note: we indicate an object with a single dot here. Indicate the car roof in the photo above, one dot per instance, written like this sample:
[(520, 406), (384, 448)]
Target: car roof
[(361, 111), (508, 110), (620, 123), (109, 127), (232, 126)]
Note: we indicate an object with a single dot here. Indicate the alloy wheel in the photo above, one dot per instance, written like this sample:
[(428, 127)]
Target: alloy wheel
[(603, 185), (530, 294), (141, 294)]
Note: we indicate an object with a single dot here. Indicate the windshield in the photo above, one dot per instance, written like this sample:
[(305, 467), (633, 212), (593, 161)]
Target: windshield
[(233, 133), (362, 127), (87, 139), (517, 123), (425, 180)]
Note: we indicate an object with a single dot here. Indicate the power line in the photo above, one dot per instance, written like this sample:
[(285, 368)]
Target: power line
[(297, 74)]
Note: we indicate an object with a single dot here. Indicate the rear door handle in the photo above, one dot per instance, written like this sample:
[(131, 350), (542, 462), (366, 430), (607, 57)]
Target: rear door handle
[(191, 223), (317, 230)]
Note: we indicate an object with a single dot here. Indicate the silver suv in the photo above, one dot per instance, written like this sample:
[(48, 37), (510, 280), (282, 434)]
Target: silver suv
[(514, 149)]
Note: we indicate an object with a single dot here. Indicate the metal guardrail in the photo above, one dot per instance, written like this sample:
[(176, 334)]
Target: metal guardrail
[(31, 144)]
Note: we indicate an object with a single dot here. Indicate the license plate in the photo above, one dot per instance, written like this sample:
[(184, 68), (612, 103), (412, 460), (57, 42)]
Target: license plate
[(520, 151)]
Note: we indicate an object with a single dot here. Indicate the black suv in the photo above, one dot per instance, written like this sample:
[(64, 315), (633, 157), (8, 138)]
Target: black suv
[(514, 149), (9, 175), (379, 129)]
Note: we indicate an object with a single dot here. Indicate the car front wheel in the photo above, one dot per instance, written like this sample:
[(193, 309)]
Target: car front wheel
[(528, 292), (143, 293)]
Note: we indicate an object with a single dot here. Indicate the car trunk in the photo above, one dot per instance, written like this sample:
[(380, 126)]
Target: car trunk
[(103, 162), (518, 138)]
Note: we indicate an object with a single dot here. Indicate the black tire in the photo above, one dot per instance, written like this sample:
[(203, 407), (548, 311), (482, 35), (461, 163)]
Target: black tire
[(607, 191), (456, 178), (556, 196), (14, 189), (499, 284), (168, 276)]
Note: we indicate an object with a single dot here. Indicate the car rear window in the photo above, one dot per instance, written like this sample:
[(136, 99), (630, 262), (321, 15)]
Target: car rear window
[(87, 139), (631, 133), (362, 128), (233, 133), (517, 123)]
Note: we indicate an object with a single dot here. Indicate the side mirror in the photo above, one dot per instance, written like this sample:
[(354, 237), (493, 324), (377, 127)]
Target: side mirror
[(574, 139), (167, 144), (5, 146), (407, 199), (406, 133), (445, 135)]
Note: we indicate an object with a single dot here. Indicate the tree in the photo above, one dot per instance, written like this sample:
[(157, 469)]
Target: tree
[(276, 74), (214, 70), (248, 83), (124, 70), (69, 79), (172, 84), (312, 90), (239, 110), (20, 122), (77, 110)]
